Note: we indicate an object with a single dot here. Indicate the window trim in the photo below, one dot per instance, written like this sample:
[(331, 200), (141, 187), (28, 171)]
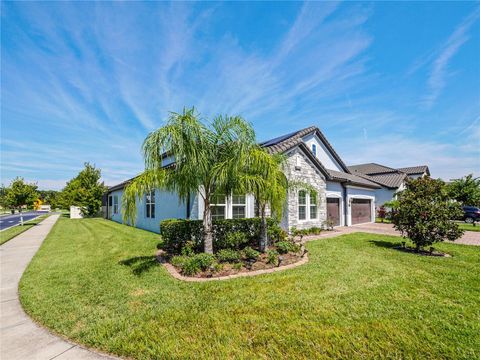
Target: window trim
[(308, 206), (150, 205), (217, 204), (115, 204), (244, 205), (314, 205), (304, 205)]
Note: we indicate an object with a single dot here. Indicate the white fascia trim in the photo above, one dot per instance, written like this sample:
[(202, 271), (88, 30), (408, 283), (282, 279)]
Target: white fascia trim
[(359, 196)]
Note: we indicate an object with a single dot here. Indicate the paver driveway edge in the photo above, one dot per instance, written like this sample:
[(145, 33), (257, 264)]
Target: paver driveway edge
[(20, 336)]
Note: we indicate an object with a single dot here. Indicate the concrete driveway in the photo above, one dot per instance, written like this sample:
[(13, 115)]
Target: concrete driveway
[(468, 238), (20, 337)]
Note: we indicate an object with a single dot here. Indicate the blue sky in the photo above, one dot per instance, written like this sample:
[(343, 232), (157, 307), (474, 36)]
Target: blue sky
[(393, 83)]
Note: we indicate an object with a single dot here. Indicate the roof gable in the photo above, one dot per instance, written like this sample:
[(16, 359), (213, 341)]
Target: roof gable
[(288, 141)]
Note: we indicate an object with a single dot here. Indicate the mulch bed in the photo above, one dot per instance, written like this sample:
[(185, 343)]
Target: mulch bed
[(260, 266)]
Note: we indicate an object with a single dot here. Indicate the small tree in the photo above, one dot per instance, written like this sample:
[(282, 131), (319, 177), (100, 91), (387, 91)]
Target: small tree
[(425, 211), (84, 190), (50, 197), (381, 213), (20, 193), (465, 190)]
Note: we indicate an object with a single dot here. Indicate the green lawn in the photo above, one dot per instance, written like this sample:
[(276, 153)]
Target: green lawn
[(10, 233), (97, 283), (469, 227)]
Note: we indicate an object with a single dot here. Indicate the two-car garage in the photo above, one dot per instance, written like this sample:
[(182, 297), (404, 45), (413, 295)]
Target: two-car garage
[(348, 205), (360, 210)]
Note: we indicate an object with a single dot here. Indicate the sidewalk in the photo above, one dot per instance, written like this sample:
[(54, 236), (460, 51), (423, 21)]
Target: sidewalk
[(20, 337)]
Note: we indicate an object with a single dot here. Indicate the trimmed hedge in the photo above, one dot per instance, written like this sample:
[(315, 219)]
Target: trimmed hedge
[(177, 232)]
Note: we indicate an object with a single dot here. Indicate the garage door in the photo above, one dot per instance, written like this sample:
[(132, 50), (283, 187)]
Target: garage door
[(333, 210), (361, 211)]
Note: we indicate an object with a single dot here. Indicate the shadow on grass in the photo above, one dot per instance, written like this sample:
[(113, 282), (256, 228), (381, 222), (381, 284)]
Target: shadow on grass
[(384, 244), (140, 264)]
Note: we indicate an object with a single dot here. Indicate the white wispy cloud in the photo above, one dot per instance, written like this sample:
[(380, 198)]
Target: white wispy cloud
[(439, 72), (445, 160)]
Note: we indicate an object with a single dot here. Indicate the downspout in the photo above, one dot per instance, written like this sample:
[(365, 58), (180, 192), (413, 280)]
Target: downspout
[(345, 204)]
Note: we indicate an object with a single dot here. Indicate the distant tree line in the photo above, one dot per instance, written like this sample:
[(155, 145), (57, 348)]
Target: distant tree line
[(84, 190)]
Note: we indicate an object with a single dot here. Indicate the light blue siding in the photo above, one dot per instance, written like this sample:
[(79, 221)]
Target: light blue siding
[(383, 195), (167, 206)]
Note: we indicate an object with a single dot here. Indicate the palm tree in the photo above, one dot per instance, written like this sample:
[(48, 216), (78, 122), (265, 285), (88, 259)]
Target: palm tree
[(266, 180), (209, 159)]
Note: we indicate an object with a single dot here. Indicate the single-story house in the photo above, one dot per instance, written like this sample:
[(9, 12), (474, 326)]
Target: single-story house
[(391, 180), (341, 196)]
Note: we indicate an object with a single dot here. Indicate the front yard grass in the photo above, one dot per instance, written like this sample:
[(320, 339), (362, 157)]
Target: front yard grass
[(469, 227), (97, 283), (10, 233)]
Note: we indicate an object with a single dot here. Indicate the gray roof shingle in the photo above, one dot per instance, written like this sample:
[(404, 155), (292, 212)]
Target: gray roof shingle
[(371, 168), (390, 180), (421, 169), (352, 178), (386, 176)]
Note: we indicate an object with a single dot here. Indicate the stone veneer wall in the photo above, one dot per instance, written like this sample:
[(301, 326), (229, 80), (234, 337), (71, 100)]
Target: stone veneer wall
[(300, 168)]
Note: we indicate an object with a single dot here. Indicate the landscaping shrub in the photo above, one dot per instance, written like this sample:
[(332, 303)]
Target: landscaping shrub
[(204, 260), (272, 257), (284, 247), (314, 230), (424, 213), (235, 240), (179, 261), (250, 254), (188, 249), (176, 233), (276, 233), (228, 255), (190, 266)]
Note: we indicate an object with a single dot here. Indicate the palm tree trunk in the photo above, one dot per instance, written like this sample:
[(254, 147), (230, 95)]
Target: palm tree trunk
[(263, 229), (207, 228)]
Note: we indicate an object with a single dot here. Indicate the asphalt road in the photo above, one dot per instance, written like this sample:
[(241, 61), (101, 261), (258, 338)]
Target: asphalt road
[(12, 220)]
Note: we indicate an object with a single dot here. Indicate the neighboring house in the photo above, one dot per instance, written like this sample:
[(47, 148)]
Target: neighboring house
[(392, 180), (341, 196)]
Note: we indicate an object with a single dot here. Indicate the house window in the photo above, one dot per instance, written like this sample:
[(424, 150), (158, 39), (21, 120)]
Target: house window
[(314, 149), (302, 205), (238, 207), (313, 205), (115, 204), (218, 205), (150, 204)]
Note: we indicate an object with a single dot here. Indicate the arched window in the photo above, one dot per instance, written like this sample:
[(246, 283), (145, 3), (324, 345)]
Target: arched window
[(314, 149)]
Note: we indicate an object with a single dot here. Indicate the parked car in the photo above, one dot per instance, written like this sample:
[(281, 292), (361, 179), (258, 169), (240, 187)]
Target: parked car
[(471, 214)]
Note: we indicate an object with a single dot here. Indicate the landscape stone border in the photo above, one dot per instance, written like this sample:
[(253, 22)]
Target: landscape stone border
[(172, 271)]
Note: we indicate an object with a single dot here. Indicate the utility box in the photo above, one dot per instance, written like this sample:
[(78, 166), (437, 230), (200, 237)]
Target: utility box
[(75, 212)]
